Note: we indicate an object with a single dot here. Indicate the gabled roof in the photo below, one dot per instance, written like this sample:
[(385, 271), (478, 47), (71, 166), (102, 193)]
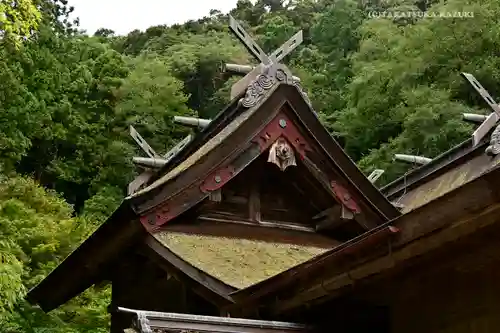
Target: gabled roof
[(180, 178), (233, 140)]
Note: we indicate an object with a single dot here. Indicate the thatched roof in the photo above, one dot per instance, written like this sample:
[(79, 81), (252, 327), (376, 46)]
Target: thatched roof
[(237, 262)]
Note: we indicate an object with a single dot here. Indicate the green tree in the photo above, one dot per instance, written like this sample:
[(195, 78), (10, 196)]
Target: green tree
[(18, 19), (41, 231)]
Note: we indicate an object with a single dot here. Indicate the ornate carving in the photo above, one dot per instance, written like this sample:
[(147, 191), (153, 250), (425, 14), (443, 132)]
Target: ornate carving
[(282, 154), (282, 126), (154, 215), (270, 76), (494, 147), (258, 88)]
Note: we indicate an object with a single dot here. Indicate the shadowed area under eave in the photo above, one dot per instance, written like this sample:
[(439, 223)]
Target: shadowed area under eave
[(237, 262)]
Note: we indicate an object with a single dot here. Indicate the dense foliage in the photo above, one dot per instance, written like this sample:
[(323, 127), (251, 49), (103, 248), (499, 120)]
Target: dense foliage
[(384, 85)]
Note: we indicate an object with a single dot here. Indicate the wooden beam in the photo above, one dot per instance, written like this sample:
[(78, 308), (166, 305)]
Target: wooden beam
[(254, 199), (282, 225), (86, 263), (333, 217), (196, 323), (326, 183), (252, 231)]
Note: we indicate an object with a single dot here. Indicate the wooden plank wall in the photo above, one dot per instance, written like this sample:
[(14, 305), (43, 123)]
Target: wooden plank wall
[(458, 293)]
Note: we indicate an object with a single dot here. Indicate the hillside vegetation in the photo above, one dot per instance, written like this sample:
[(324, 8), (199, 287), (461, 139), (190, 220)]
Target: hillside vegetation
[(383, 85)]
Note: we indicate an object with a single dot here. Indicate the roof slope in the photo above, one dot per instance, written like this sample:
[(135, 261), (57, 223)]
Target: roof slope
[(452, 169), (237, 262)]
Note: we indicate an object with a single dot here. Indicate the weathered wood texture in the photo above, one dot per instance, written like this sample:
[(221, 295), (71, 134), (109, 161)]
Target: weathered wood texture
[(447, 182), (172, 322), (221, 159), (456, 294), (462, 212), (452, 288), (263, 193), (140, 283)]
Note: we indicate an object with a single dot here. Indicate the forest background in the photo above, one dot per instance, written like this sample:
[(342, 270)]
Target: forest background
[(380, 85)]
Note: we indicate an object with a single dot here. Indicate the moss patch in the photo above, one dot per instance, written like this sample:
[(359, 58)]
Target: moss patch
[(237, 262)]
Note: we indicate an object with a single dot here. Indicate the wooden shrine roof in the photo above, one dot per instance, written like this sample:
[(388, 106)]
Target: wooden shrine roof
[(92, 262), (223, 129), (448, 219)]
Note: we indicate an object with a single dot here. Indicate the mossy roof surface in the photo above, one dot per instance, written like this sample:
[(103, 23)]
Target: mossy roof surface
[(237, 262)]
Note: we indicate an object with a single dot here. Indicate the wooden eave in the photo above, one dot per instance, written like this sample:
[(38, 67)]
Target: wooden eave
[(88, 263), (459, 213), (93, 262), (450, 159), (222, 119), (120, 231)]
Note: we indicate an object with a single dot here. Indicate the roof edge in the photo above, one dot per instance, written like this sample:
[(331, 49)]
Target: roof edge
[(83, 267), (196, 275), (442, 163), (339, 157), (219, 122)]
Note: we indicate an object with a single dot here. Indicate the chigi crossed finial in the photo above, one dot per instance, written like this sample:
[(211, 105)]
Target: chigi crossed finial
[(490, 121), (260, 80), (257, 51)]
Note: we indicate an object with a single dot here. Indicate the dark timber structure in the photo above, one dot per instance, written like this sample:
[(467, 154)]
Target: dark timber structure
[(187, 250)]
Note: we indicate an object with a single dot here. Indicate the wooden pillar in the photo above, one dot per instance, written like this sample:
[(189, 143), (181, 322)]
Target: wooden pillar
[(119, 321)]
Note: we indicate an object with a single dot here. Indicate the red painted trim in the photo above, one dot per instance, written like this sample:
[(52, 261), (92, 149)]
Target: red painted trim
[(161, 215), (281, 125), (170, 209), (218, 179), (345, 197)]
